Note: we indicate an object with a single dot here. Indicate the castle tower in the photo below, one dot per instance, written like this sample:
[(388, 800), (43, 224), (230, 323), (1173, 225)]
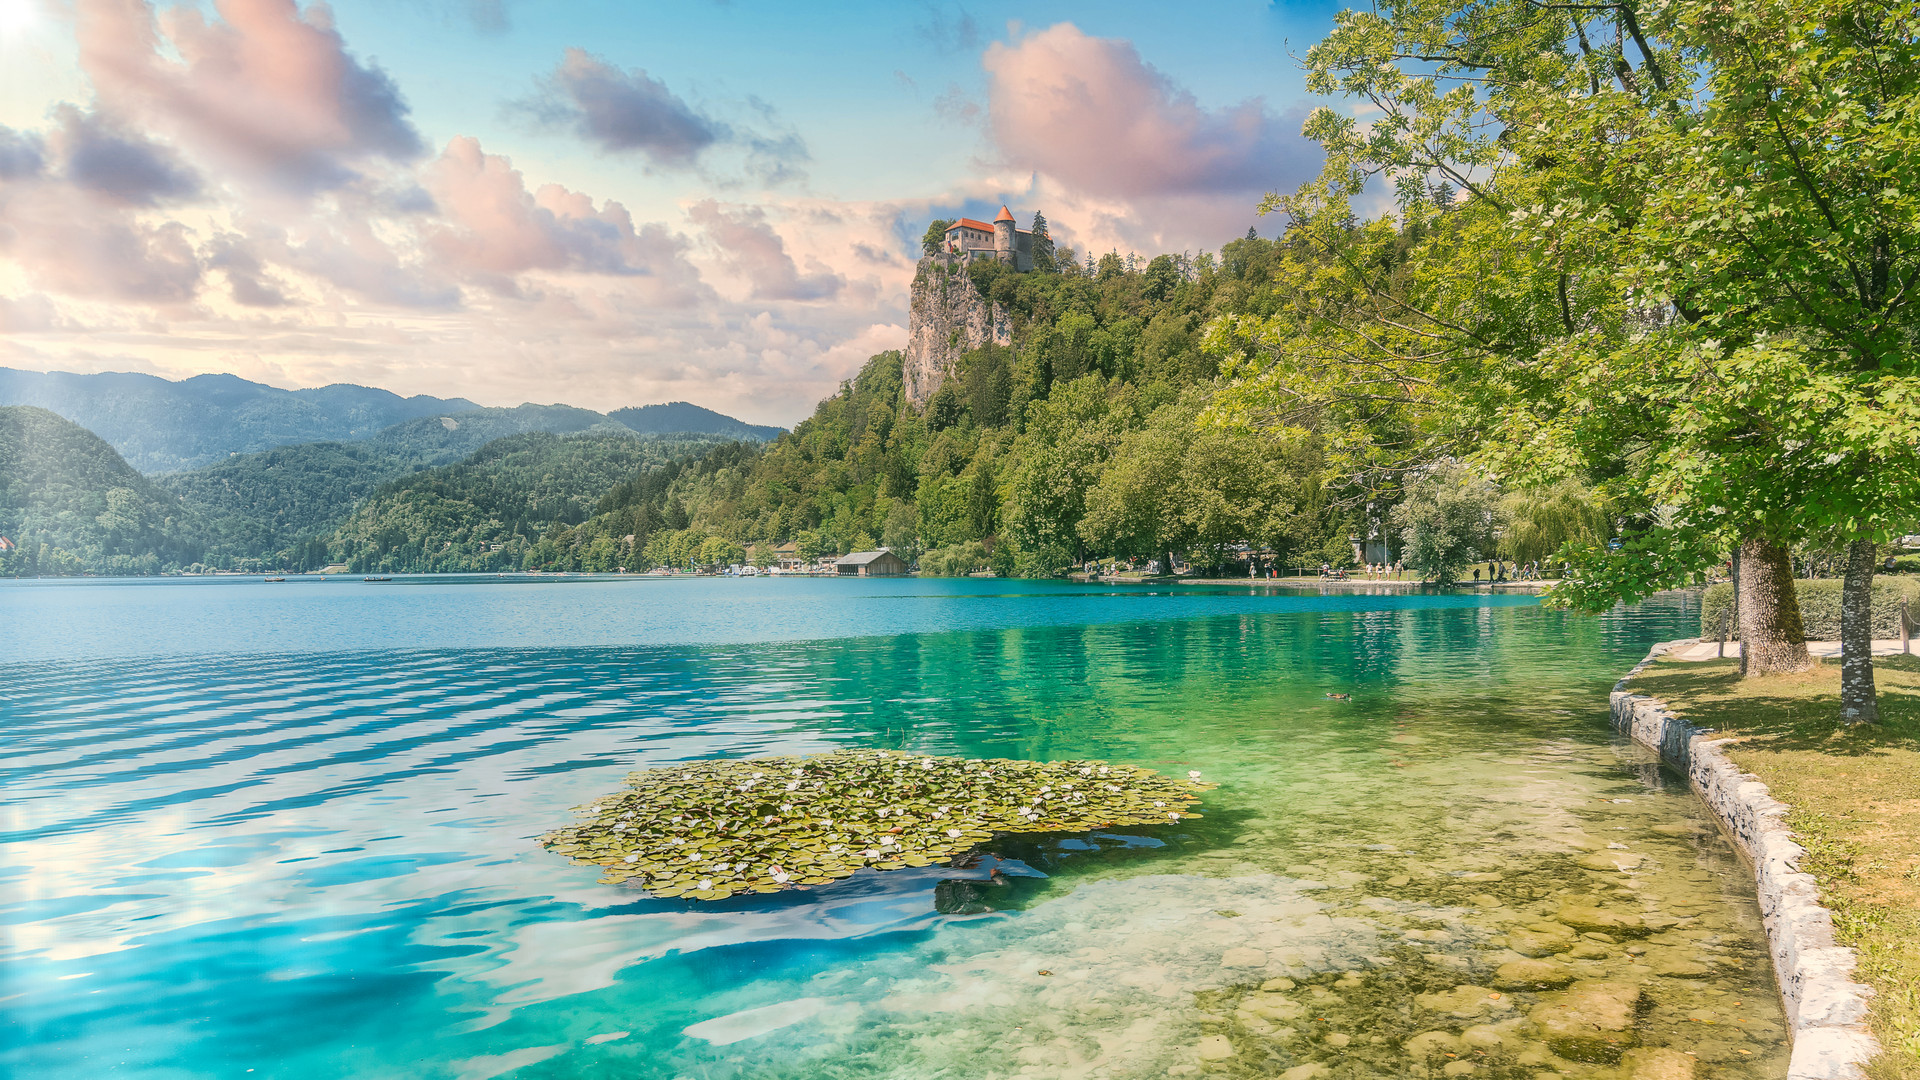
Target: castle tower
[(1003, 236)]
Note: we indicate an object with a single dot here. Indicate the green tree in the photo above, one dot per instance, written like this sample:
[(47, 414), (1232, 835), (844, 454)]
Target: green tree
[(1643, 255), (1541, 521), (1042, 245), (1446, 522), (935, 239)]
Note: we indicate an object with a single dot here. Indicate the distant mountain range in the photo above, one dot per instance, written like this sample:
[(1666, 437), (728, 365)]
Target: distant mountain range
[(165, 426), (476, 492), (679, 417)]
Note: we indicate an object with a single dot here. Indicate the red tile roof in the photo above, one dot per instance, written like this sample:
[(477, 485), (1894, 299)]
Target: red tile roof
[(969, 223), (1005, 214)]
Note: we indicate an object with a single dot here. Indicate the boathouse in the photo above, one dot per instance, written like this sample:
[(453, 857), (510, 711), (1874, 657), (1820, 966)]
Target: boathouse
[(882, 563)]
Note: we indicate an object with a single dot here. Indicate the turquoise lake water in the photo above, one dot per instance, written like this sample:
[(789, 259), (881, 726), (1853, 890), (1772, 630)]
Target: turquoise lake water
[(288, 831)]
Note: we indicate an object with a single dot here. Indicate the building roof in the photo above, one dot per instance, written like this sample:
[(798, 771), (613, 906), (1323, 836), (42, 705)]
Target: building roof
[(1005, 214), (864, 558), (969, 223)]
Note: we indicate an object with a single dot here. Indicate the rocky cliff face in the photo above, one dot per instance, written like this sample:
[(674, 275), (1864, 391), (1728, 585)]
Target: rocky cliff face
[(946, 318)]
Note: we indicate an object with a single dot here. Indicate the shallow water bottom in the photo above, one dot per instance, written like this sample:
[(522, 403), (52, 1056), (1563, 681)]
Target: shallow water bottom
[(1592, 930)]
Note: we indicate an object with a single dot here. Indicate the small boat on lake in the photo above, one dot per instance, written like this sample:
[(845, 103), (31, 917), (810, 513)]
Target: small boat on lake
[(272, 580), (376, 579)]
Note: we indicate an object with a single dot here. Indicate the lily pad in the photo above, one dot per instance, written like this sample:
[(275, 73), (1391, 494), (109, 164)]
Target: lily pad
[(714, 828)]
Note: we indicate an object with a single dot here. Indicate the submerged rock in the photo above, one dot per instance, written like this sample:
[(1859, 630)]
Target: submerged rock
[(1611, 860), (1673, 965), (1657, 1063), (1531, 975), (1214, 1048), (1429, 1044), (1592, 1021), (1588, 918), (1540, 939), (1466, 1001)]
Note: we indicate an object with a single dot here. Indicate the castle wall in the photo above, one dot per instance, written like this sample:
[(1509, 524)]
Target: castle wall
[(946, 318)]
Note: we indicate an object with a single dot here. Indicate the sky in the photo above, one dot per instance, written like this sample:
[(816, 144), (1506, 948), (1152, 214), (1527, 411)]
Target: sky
[(602, 204)]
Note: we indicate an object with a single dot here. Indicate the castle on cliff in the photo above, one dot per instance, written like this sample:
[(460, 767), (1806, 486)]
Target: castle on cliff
[(946, 316), (973, 240)]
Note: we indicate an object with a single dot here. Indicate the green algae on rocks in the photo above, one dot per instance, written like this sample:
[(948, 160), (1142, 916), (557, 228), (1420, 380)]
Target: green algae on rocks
[(710, 829)]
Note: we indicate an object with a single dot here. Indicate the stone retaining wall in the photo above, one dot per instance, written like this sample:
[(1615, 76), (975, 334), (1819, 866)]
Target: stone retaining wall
[(1826, 1010)]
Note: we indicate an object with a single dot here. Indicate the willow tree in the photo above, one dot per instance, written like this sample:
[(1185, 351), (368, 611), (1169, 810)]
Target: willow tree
[(1675, 255)]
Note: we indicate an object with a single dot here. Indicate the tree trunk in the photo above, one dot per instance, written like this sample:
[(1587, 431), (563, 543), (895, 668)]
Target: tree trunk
[(1736, 606), (1772, 637), (1858, 702)]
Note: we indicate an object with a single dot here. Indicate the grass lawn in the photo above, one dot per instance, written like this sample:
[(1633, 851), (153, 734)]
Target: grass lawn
[(1855, 796)]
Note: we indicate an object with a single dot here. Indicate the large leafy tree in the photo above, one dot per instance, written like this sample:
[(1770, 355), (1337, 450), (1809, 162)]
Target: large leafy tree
[(1670, 249)]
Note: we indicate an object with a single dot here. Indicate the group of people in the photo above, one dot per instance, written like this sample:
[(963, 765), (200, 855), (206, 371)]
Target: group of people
[(1501, 570), (1371, 571)]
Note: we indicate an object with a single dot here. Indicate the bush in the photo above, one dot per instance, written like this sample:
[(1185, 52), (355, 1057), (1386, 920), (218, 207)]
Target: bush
[(1819, 607), (954, 560)]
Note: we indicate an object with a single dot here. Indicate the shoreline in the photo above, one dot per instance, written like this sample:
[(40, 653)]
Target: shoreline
[(1825, 1008)]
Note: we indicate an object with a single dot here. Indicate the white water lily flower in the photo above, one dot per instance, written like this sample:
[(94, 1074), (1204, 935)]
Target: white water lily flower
[(781, 876), (872, 853), (1173, 815), (1161, 805), (719, 868), (793, 785), (633, 858), (1193, 774), (955, 833), (705, 884), (786, 807)]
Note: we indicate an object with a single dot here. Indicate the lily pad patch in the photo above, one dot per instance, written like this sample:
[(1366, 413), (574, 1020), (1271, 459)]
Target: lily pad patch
[(712, 829)]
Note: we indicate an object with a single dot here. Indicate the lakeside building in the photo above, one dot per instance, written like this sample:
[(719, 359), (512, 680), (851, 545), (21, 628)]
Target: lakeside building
[(881, 563)]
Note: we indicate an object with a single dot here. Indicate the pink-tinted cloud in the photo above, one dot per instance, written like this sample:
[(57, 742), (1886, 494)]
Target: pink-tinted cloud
[(495, 228), (751, 247), (69, 242), (266, 88), (1091, 113)]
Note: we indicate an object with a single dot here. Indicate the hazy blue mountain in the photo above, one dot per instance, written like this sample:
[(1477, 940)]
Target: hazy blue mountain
[(680, 416), (68, 503), (160, 425), (439, 440)]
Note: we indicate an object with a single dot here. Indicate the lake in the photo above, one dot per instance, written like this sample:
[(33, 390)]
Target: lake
[(288, 830)]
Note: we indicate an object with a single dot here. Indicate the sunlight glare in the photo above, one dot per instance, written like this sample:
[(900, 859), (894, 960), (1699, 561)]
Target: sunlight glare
[(17, 16)]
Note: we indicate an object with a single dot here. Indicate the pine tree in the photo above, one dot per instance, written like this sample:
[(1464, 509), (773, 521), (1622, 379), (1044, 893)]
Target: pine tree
[(1042, 245)]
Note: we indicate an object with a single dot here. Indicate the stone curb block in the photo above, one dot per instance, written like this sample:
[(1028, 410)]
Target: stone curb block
[(1826, 1010)]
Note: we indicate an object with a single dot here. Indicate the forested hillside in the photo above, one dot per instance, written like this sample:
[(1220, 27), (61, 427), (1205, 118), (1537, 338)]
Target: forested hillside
[(268, 509), (159, 425), (277, 508), (488, 511), (1078, 440), (69, 502)]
